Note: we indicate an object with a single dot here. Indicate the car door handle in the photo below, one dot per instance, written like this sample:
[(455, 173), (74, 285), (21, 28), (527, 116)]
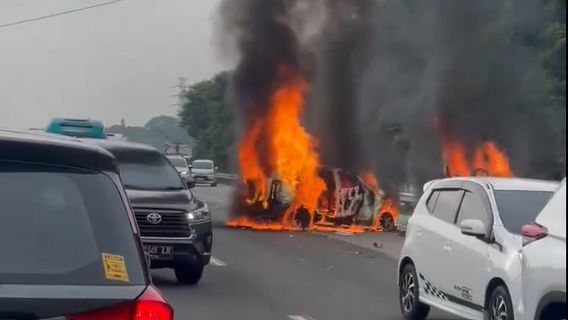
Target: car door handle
[(419, 231), (447, 248)]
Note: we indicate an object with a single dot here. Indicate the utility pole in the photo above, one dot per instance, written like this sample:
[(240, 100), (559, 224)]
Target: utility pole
[(182, 91)]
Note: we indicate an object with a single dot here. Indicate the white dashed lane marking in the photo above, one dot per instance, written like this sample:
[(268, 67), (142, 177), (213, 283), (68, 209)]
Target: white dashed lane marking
[(300, 318), (217, 262)]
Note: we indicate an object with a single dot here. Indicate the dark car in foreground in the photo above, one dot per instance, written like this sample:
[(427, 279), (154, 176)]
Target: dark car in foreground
[(69, 246), (175, 226)]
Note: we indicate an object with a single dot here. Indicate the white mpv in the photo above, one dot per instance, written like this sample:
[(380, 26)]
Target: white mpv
[(462, 252)]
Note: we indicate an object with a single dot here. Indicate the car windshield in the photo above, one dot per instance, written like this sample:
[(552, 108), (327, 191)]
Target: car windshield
[(204, 165), (147, 171), (178, 162), (56, 224), (518, 207)]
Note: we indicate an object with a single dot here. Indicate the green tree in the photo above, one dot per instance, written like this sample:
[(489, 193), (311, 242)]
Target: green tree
[(207, 117), (554, 64), (156, 133)]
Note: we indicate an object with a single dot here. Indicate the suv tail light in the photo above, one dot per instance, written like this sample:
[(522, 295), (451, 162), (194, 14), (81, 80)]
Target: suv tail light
[(149, 306), (533, 232)]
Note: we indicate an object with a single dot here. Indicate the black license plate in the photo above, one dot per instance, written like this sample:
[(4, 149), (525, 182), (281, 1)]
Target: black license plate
[(160, 252)]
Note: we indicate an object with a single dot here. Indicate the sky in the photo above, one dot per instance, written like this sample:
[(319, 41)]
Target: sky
[(116, 62)]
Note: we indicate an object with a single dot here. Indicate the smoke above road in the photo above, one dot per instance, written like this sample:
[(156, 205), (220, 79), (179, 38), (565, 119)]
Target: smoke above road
[(387, 82)]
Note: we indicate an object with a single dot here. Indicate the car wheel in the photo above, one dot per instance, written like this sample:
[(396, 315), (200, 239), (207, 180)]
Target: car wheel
[(387, 222), (499, 306), (214, 184), (189, 274), (409, 298)]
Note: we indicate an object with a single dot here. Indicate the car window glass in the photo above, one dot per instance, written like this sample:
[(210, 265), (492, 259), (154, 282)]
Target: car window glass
[(447, 205), (203, 165), (178, 162), (519, 207), (472, 208), (432, 201)]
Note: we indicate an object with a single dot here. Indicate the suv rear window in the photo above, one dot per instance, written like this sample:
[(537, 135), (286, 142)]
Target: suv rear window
[(56, 223), (519, 207)]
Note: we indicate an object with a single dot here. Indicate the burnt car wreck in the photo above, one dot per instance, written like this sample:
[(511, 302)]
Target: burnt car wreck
[(347, 201)]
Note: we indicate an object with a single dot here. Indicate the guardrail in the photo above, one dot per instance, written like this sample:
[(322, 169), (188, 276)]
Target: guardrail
[(227, 178)]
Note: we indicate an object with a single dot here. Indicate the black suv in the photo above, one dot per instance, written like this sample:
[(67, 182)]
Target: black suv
[(176, 227), (69, 246)]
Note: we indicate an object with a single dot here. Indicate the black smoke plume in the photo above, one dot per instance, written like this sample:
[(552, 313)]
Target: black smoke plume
[(268, 49), (465, 69), (343, 52), (389, 78)]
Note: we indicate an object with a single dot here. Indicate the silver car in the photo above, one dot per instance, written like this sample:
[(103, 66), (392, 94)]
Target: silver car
[(181, 165), (204, 171)]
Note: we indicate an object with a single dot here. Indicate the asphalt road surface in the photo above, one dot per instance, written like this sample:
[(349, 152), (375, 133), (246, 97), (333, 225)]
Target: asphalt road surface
[(284, 276)]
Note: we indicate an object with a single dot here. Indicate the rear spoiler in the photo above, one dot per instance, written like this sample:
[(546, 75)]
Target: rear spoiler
[(427, 185)]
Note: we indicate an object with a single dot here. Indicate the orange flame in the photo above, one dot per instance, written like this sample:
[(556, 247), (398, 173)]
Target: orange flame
[(371, 180), (488, 159), (249, 163), (492, 160), (389, 204), (289, 151)]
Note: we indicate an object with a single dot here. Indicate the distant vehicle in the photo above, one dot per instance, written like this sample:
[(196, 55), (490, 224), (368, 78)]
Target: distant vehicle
[(179, 149), (181, 165), (462, 249), (407, 203), (67, 230), (204, 171), (544, 261), (175, 226), (80, 128)]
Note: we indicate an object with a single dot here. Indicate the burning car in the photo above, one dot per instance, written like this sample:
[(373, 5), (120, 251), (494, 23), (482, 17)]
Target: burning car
[(346, 201)]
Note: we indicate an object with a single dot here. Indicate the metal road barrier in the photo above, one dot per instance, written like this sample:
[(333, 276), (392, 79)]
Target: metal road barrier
[(227, 178)]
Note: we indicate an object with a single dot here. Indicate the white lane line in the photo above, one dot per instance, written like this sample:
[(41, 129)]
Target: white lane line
[(217, 262), (300, 318)]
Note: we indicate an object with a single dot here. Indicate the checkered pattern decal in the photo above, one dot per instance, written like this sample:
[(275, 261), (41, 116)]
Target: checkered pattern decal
[(432, 290)]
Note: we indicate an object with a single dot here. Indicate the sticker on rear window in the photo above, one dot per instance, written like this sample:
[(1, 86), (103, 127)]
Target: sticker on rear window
[(115, 267)]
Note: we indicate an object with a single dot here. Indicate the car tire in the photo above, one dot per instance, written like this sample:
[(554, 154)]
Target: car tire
[(189, 274), (214, 184), (499, 304), (409, 295), (387, 222)]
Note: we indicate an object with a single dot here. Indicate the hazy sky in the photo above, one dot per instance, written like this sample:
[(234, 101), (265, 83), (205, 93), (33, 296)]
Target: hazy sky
[(108, 63)]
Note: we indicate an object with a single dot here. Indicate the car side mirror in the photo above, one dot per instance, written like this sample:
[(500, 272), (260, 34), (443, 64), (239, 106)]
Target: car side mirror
[(191, 184), (473, 227), (216, 168)]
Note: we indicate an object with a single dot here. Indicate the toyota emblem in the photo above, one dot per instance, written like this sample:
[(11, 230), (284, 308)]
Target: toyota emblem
[(154, 218)]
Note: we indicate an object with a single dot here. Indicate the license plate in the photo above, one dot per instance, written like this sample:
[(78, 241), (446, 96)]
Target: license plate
[(200, 179), (159, 252)]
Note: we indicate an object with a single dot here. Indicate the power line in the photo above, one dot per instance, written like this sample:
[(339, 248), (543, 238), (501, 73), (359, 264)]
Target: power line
[(62, 13)]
